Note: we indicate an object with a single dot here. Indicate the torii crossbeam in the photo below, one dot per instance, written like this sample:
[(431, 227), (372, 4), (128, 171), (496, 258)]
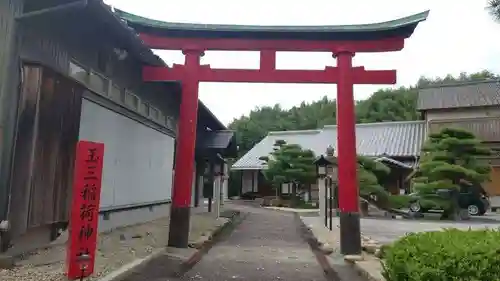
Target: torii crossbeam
[(342, 41)]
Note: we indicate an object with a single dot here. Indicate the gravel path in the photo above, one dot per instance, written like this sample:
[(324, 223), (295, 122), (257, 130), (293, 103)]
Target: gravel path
[(265, 246)]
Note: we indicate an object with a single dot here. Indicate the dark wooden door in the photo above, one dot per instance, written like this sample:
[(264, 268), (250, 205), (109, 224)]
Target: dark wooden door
[(47, 133)]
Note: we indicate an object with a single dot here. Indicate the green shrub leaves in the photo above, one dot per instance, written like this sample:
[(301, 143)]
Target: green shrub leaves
[(452, 254)]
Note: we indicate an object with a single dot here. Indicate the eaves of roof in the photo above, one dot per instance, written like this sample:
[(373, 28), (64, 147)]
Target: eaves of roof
[(389, 139)]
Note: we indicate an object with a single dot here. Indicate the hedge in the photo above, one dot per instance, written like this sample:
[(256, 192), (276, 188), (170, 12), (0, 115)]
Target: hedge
[(451, 254)]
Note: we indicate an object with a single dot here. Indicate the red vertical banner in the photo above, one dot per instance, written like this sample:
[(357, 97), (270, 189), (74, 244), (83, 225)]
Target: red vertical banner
[(82, 241)]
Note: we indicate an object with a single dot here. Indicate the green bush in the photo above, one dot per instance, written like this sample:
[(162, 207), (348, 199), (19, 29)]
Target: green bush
[(399, 201), (452, 254)]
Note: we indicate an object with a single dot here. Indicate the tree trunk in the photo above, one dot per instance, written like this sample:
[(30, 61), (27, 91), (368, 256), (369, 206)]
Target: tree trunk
[(453, 213), (294, 200), (309, 194)]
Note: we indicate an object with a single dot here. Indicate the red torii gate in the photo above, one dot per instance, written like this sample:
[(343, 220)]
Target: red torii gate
[(342, 41)]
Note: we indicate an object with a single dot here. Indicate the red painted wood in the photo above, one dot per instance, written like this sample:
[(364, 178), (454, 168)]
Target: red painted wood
[(186, 137), (267, 60), (83, 228), (268, 75), (346, 136), (166, 43)]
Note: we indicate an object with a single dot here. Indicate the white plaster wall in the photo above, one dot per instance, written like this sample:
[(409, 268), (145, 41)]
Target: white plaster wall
[(286, 188), (225, 186), (256, 180), (193, 186), (321, 195), (138, 160), (131, 217), (247, 181)]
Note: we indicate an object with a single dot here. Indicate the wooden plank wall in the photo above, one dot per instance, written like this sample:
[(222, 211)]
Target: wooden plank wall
[(493, 187), (48, 126), (9, 78), (487, 128)]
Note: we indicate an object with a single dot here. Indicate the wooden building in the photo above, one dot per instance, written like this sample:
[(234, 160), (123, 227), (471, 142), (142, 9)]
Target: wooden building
[(396, 144), (474, 106), (72, 70)]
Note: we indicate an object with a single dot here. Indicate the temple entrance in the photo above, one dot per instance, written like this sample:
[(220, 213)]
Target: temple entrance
[(343, 42)]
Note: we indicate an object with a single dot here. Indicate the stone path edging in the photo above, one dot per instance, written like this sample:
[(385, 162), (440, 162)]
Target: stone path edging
[(138, 264), (292, 210), (365, 272), (370, 266), (125, 270)]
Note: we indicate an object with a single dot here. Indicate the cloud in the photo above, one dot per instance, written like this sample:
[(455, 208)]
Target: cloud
[(458, 36)]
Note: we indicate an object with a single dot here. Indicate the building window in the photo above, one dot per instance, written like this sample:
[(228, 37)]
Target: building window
[(161, 119), (170, 122), (116, 93), (154, 113), (132, 100), (78, 72), (145, 109), (104, 86), (98, 83)]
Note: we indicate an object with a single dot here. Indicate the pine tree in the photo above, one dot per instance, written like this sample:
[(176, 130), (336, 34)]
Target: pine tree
[(370, 175), (450, 163), (289, 163)]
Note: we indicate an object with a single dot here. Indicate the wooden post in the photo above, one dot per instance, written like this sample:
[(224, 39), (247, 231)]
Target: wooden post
[(178, 235)]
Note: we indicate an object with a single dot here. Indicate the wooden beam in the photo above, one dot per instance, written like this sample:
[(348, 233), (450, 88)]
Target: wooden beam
[(205, 44), (267, 60), (268, 75)]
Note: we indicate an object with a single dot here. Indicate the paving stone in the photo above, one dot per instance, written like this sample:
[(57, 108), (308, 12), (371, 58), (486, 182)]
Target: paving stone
[(265, 246)]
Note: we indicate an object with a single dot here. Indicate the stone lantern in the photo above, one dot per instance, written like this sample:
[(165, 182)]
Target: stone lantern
[(327, 185)]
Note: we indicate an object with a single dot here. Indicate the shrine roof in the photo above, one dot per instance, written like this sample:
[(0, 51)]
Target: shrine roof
[(402, 27), (402, 139), (460, 95), (221, 141)]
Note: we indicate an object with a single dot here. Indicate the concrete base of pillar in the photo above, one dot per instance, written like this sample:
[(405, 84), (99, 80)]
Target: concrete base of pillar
[(350, 234), (7, 262), (178, 235)]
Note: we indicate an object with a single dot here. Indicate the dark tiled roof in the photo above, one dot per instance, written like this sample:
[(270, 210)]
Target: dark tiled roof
[(123, 33), (223, 142), (390, 139), (469, 94), (128, 36), (402, 27)]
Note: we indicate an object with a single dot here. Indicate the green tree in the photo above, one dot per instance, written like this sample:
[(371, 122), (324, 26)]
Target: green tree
[(384, 105), (450, 79), (371, 175), (389, 104), (451, 162), (289, 163), (494, 9)]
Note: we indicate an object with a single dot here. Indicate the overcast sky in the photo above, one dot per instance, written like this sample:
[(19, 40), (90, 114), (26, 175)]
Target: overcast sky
[(458, 36)]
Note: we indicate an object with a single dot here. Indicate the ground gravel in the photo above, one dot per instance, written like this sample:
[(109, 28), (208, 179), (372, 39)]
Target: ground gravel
[(115, 249)]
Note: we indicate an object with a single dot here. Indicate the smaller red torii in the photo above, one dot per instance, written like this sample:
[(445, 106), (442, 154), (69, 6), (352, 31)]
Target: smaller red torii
[(341, 41)]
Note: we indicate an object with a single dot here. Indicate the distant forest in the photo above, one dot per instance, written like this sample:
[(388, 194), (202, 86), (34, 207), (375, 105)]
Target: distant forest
[(384, 105)]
